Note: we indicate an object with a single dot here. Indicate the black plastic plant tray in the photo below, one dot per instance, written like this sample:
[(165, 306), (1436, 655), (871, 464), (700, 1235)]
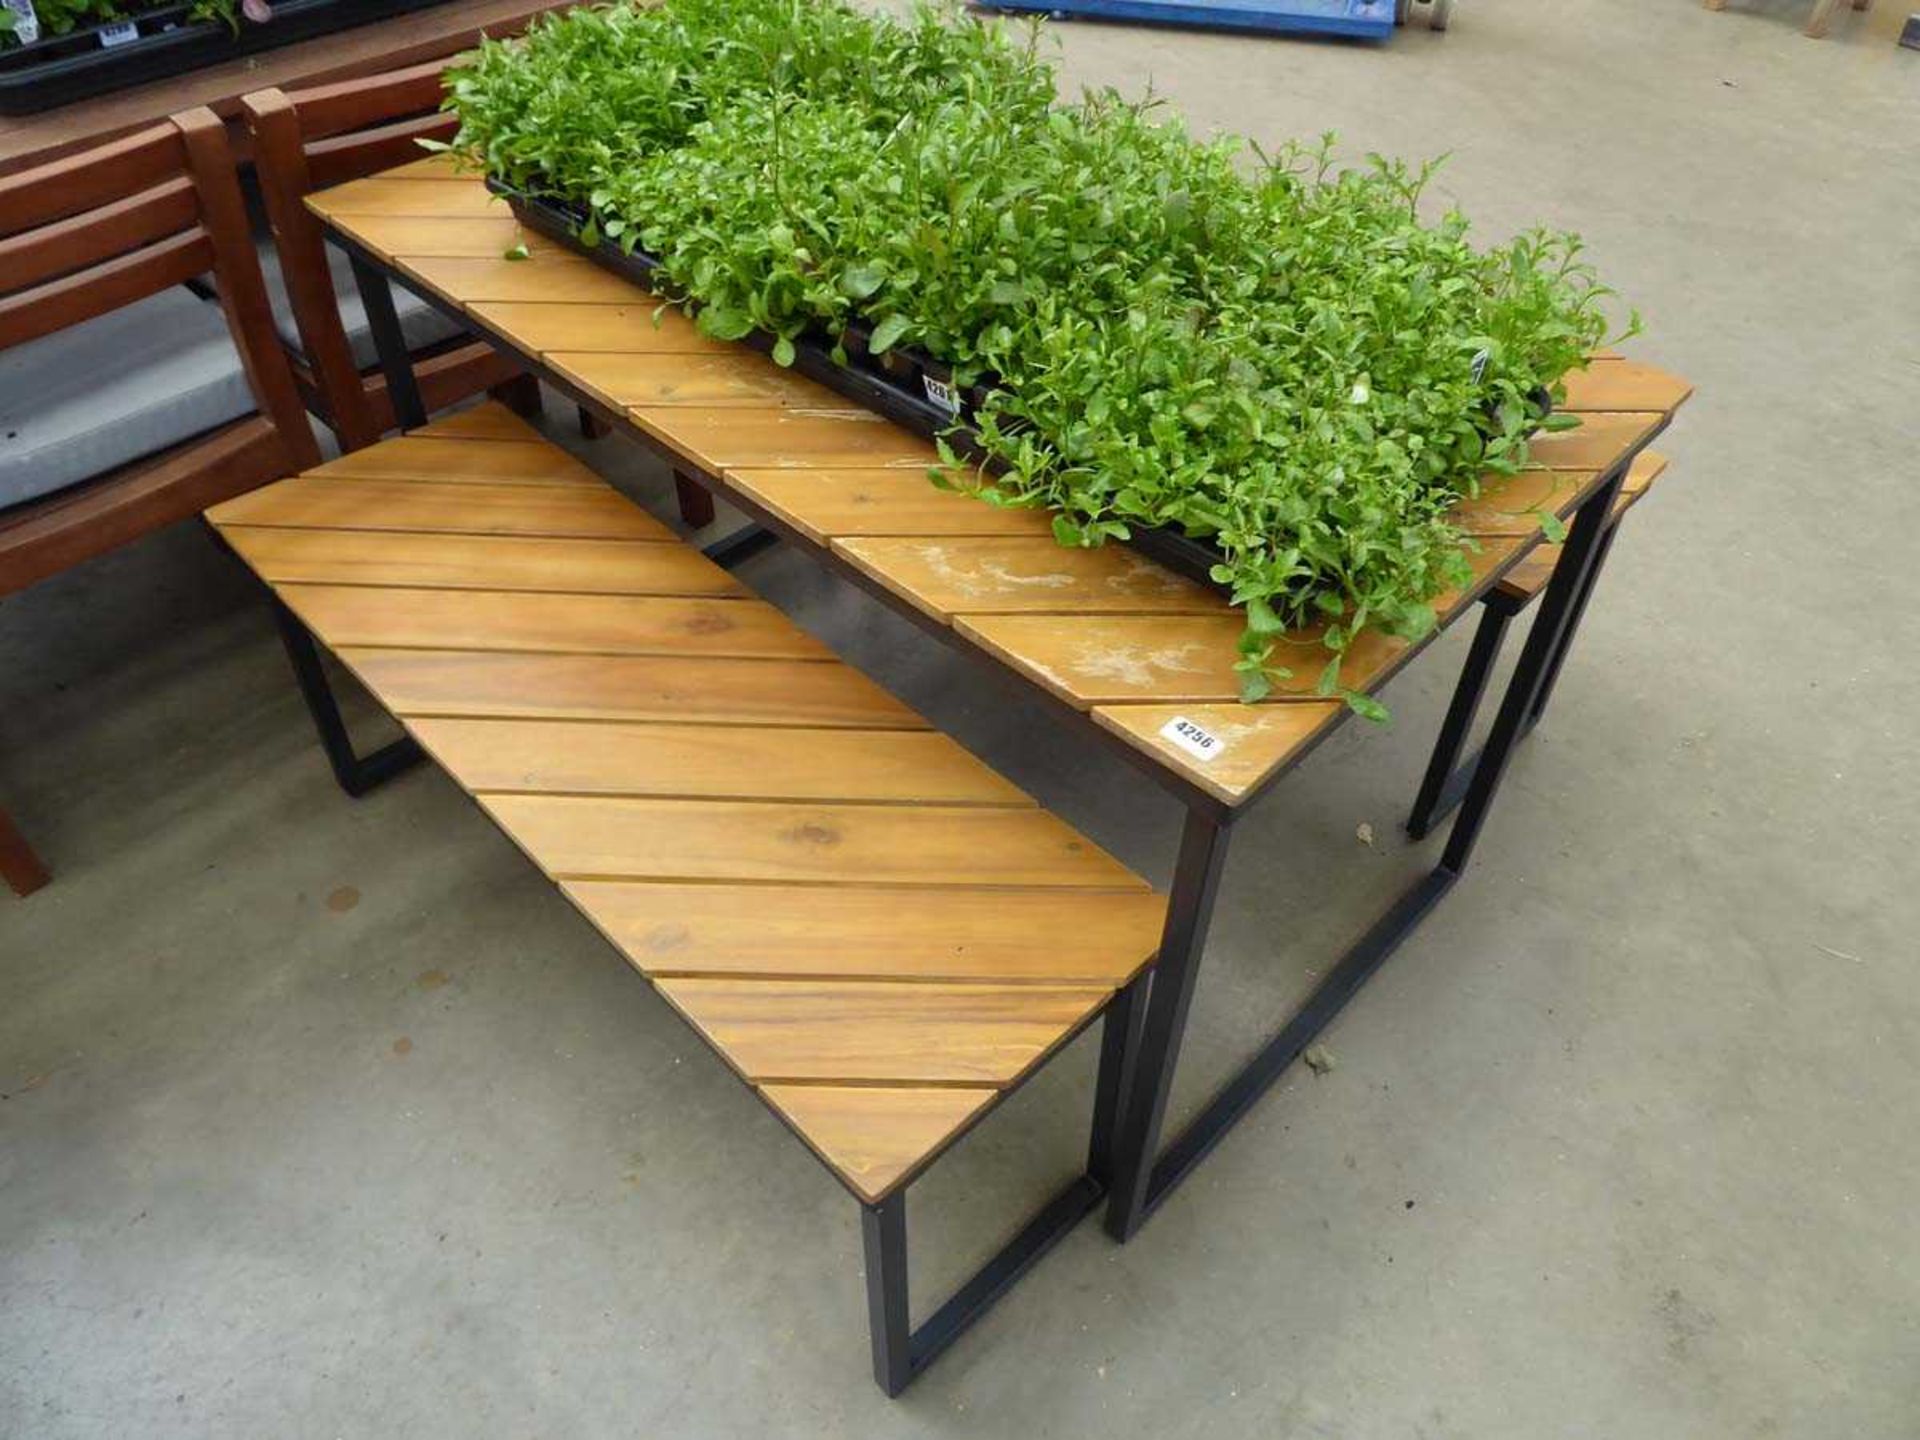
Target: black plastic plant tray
[(899, 385), (60, 69), (895, 385)]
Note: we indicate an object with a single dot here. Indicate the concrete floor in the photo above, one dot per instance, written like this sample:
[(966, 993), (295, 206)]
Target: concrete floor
[(322, 1118)]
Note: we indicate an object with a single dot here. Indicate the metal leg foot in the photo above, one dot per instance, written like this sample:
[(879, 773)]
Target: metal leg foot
[(355, 773)]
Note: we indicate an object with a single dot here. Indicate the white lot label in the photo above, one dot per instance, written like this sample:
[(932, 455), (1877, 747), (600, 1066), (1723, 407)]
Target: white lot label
[(123, 34), (941, 394), (1196, 740), (26, 24)]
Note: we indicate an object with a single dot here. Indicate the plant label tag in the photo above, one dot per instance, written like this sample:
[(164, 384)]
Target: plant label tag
[(125, 33), (1196, 740), (26, 23), (1480, 365), (941, 394)]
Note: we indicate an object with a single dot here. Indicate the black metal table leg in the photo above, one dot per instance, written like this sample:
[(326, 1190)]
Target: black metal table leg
[(900, 1352), (1454, 782), (1573, 624), (396, 361), (1552, 631), (1144, 1174), (1495, 616), (1196, 881), (356, 774)]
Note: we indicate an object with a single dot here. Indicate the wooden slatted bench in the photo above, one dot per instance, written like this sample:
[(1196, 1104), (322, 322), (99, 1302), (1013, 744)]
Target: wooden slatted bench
[(1445, 783), (880, 935)]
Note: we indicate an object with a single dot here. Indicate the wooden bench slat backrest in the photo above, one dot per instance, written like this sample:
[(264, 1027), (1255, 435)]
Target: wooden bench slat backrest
[(96, 232), (307, 140)]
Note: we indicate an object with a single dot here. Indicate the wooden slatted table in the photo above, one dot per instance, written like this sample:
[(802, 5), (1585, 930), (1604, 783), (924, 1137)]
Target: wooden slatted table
[(877, 932), (1134, 657)]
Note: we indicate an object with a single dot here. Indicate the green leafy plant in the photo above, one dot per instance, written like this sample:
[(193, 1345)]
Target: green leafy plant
[(1281, 357)]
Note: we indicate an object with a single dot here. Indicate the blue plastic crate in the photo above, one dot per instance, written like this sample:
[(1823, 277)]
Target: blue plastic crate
[(1367, 19)]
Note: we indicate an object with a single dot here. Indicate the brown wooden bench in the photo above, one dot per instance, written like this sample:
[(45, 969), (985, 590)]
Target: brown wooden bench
[(1447, 778), (880, 935)]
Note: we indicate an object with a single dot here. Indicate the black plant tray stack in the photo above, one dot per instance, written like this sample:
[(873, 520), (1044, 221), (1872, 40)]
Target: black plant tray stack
[(905, 385), (908, 387), (60, 69)]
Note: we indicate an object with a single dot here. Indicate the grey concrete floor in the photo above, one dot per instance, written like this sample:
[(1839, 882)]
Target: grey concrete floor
[(324, 1118)]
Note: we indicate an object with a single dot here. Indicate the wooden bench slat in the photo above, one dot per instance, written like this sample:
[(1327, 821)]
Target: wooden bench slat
[(877, 1136), (850, 1030), (733, 762), (594, 837), (856, 932), (502, 620), (479, 562), (553, 511), (461, 461), (627, 687), (488, 421)]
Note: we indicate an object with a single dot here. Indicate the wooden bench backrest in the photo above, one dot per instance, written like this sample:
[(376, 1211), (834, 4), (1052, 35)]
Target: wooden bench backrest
[(92, 233), (307, 140)]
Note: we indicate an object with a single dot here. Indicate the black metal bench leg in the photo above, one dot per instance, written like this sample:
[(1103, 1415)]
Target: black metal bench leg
[(901, 1352), (884, 1228), (356, 774), (1496, 615)]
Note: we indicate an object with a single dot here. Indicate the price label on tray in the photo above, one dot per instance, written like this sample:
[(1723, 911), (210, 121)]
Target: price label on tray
[(26, 23), (941, 394), (125, 33)]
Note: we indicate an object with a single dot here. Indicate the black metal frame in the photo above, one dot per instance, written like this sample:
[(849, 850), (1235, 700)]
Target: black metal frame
[(1147, 1175), (356, 773), (1127, 1165), (1445, 783), (900, 1350)]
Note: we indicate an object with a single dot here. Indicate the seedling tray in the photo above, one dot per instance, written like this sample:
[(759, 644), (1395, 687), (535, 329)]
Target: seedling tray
[(907, 386), (899, 385), (60, 69)]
